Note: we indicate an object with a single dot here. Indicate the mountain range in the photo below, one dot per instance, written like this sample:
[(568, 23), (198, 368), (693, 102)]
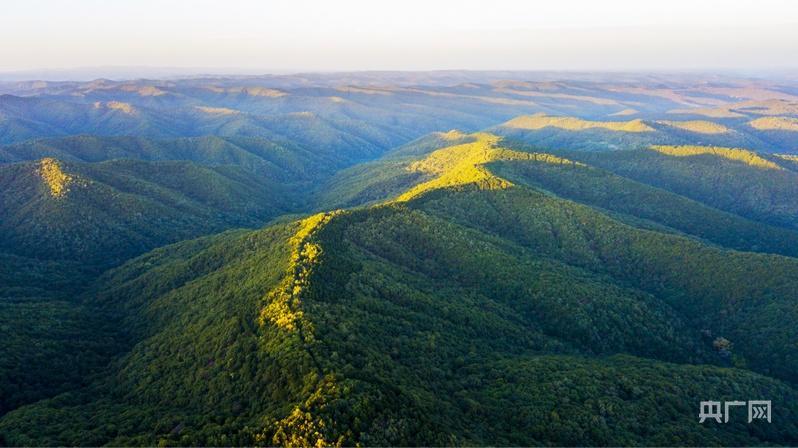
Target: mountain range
[(397, 259)]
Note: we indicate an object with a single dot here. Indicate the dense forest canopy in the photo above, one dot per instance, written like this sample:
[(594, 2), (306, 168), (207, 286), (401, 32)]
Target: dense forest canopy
[(397, 259)]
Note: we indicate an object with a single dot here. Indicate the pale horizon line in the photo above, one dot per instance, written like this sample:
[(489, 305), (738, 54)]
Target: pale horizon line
[(93, 73)]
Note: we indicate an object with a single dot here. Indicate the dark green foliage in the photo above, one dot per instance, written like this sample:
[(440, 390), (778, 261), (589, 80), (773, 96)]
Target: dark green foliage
[(118, 209), (620, 400), (572, 305), (71, 342), (469, 317), (745, 297), (765, 195), (51, 343), (602, 189), (191, 312)]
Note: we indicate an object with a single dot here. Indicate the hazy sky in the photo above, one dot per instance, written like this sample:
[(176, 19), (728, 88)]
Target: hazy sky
[(295, 35)]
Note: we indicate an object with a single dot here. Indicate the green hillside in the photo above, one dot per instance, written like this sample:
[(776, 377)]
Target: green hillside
[(644, 205), (385, 177), (471, 309), (692, 195), (51, 344), (104, 213), (759, 188), (74, 206), (63, 223), (284, 161)]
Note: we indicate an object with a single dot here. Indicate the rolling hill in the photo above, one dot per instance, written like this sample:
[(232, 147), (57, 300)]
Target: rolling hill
[(488, 302), (102, 214), (565, 132), (63, 223), (760, 187), (582, 263)]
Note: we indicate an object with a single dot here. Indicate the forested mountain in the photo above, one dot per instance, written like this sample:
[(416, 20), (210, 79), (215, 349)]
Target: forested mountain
[(327, 260), (102, 200), (762, 188), (101, 214), (467, 301)]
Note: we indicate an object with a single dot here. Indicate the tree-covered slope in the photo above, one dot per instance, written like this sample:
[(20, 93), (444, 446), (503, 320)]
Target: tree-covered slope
[(105, 213), (759, 187), (471, 310), (51, 343), (692, 194), (63, 223), (652, 205), (282, 160), (385, 177)]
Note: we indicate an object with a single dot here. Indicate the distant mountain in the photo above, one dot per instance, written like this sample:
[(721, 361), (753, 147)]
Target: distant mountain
[(563, 132), (334, 118), (355, 109)]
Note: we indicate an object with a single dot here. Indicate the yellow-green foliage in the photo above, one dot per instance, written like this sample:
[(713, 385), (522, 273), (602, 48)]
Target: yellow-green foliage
[(263, 91), (775, 124), (464, 165), (740, 155), (151, 91), (304, 426), (283, 307), (55, 179), (698, 126), (769, 107), (575, 124)]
